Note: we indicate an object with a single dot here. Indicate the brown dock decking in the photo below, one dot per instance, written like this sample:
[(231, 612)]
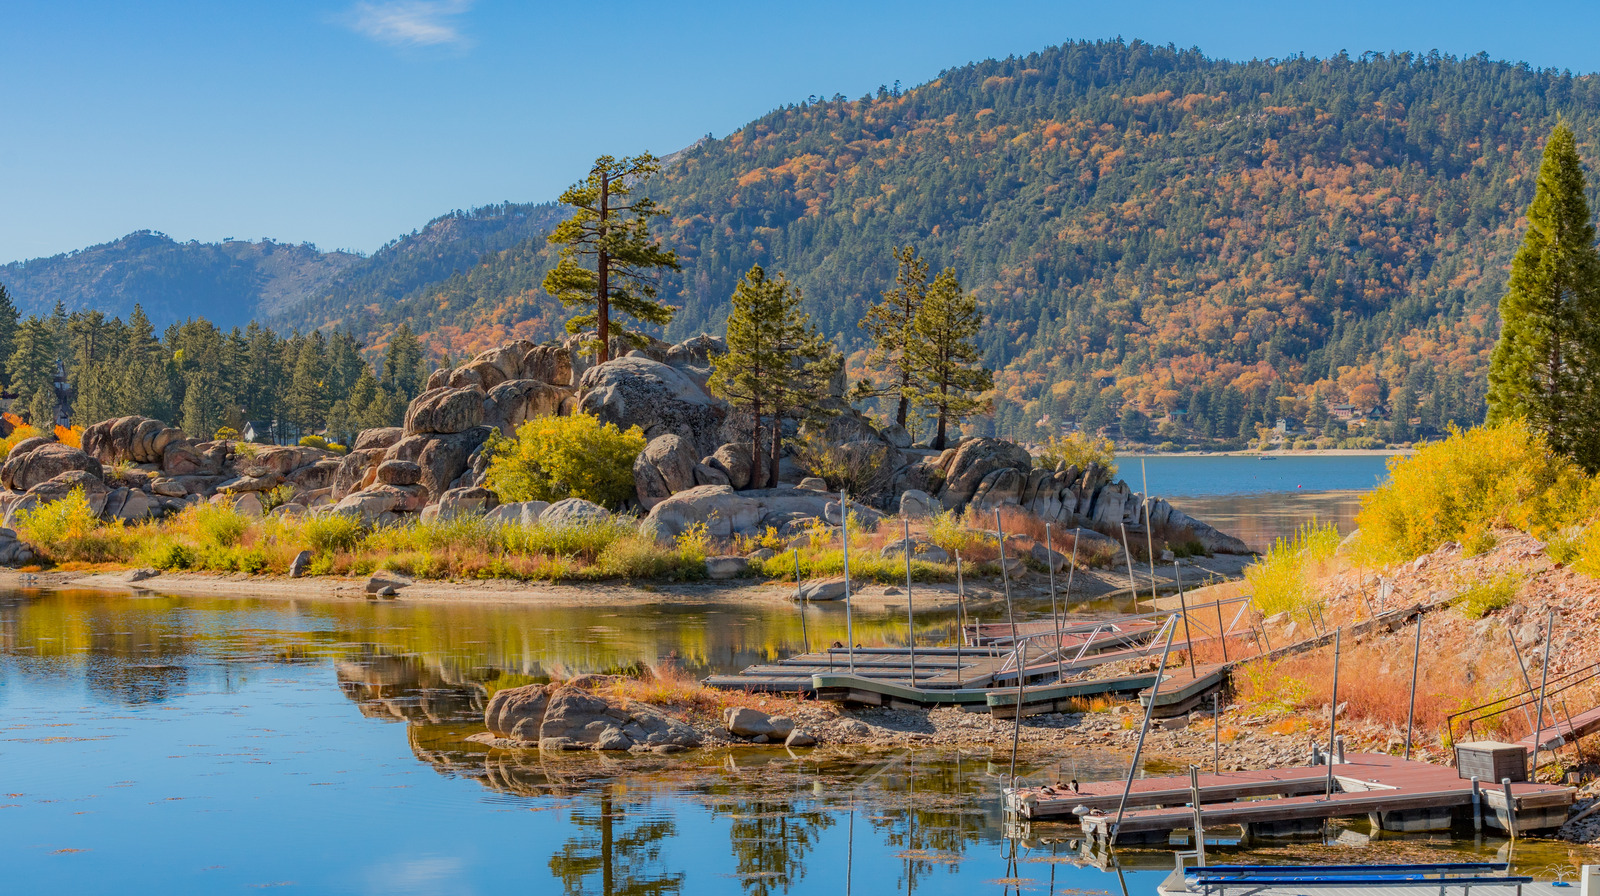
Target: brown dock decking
[(1398, 794), (1564, 731)]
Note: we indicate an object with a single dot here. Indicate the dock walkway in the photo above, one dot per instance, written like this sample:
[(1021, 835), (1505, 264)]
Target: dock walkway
[(1398, 794)]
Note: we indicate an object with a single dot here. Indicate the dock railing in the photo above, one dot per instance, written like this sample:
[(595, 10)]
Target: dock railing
[(1523, 700)]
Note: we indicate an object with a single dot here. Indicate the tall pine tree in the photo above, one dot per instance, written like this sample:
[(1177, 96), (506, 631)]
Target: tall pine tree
[(944, 363), (890, 323), (615, 233), (777, 364), (1545, 364)]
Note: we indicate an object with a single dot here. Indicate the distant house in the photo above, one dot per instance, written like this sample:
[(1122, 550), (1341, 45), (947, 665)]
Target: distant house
[(258, 431), (1342, 412)]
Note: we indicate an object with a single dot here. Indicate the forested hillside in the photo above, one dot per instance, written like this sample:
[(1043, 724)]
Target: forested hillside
[(228, 283), (1147, 229)]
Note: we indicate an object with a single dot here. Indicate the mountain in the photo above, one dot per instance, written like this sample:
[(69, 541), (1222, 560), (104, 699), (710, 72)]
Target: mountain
[(229, 282), (1149, 231)]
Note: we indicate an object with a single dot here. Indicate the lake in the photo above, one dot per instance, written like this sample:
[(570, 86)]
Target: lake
[(1259, 499), (212, 745)]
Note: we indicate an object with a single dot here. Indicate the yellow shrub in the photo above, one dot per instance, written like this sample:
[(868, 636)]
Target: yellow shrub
[(1078, 450), (24, 431), (72, 437), (1489, 477), (1278, 579), (553, 458)]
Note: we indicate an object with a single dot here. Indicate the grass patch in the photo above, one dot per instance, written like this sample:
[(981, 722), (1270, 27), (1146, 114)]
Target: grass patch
[(1486, 597)]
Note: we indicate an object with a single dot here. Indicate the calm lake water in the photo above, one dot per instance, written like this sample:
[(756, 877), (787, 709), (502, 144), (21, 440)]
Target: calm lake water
[(1260, 499), (207, 745)]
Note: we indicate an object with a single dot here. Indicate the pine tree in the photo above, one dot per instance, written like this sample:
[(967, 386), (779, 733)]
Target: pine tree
[(891, 324), (8, 324), (777, 364), (404, 371), (145, 386), (308, 395), (1544, 366), (944, 361), (615, 233), (30, 369)]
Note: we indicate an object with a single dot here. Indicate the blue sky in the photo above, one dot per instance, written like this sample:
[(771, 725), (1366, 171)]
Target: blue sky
[(348, 123)]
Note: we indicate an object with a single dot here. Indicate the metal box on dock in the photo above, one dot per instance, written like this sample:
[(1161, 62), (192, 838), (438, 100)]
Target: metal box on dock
[(1491, 761)]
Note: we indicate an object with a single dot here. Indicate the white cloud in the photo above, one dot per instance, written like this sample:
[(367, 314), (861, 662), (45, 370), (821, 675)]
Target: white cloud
[(410, 23)]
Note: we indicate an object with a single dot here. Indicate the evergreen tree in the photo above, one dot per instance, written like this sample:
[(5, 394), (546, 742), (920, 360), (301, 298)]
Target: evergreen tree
[(1547, 359), (8, 324), (944, 361), (404, 370), (891, 324), (30, 370), (615, 233), (776, 364), (145, 386), (308, 395)]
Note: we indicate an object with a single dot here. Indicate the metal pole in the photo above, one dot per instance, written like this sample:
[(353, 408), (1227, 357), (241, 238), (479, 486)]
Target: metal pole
[(1071, 571), (1216, 733), (1333, 711), (1511, 806), (1222, 635), (961, 625), (1544, 679), (1016, 718), (849, 623), (1050, 554), (1138, 750), (1411, 711), (1133, 588), (803, 632), (1188, 635), (1199, 822), (1149, 536), (1005, 578), (1477, 806), (911, 619)]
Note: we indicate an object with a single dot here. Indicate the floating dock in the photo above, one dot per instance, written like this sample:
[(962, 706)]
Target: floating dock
[(1395, 794)]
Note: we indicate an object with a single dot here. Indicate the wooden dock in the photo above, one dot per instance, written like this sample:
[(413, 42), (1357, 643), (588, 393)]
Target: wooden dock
[(1395, 793)]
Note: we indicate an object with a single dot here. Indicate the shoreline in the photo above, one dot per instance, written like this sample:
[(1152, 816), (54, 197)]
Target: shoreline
[(1286, 452), (1090, 586)]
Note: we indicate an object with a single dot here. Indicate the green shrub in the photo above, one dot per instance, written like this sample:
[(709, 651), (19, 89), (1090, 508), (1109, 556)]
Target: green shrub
[(552, 458), (1278, 580), (69, 530), (334, 532), (1486, 597), (214, 525), (1476, 480), (1077, 450), (855, 467)]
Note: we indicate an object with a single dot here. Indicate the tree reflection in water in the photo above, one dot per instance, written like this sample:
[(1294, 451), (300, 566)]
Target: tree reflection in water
[(624, 853)]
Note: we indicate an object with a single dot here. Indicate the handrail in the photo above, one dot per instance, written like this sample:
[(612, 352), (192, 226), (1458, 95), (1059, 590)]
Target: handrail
[(1523, 698)]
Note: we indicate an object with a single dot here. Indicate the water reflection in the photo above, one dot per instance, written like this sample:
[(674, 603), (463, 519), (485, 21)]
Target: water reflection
[(191, 739), (1260, 519)]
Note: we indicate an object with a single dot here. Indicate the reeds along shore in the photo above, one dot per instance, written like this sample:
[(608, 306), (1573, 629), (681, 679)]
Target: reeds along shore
[(217, 538)]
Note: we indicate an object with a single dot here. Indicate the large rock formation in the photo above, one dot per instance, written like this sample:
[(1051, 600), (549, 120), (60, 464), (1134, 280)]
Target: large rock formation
[(657, 398)]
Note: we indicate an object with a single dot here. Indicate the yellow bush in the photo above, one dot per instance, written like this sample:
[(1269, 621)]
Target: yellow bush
[(553, 458), (1077, 450), (1278, 579), (1483, 598), (1489, 477), (72, 437), (69, 530), (24, 431)]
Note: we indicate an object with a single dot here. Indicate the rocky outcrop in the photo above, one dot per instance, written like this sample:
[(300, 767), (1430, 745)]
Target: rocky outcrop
[(665, 467), (657, 398), (567, 717)]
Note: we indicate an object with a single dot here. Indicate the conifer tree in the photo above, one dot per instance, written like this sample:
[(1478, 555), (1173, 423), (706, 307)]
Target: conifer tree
[(615, 232), (1545, 364), (308, 396), (8, 324), (942, 357), (145, 386), (777, 364), (890, 323), (30, 369), (404, 370)]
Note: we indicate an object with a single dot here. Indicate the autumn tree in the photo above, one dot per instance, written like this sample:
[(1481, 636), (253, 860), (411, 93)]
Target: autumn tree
[(777, 364), (1544, 366), (891, 325), (947, 377), (611, 230)]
